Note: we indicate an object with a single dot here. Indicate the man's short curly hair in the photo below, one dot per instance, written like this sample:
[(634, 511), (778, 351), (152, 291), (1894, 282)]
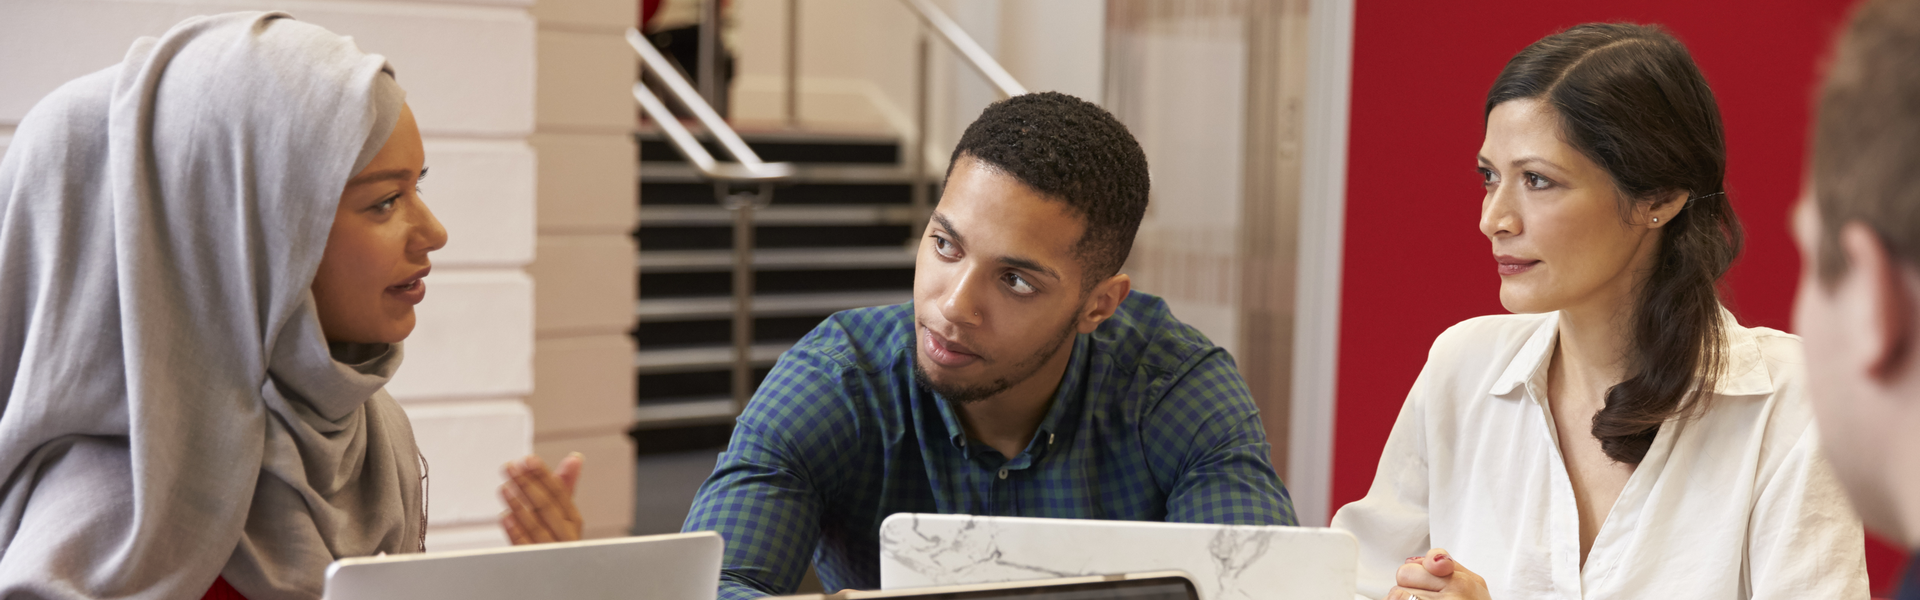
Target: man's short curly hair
[(1073, 151)]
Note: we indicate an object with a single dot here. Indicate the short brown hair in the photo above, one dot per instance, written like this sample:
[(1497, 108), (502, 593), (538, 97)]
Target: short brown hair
[(1866, 139)]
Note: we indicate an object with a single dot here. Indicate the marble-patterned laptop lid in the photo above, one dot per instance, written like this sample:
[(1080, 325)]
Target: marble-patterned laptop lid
[(1228, 562)]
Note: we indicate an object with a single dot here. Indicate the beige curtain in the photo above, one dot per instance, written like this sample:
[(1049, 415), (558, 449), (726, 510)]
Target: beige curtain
[(1214, 90)]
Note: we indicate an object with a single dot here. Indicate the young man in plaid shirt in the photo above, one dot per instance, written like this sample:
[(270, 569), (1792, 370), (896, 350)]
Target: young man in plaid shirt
[(1025, 379)]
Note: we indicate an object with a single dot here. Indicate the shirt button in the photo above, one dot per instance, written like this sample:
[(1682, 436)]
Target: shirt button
[(1003, 473)]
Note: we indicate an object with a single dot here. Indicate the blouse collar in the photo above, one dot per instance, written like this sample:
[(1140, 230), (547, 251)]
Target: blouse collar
[(1746, 373)]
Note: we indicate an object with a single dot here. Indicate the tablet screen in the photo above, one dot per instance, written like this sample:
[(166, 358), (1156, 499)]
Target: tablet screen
[(1157, 588)]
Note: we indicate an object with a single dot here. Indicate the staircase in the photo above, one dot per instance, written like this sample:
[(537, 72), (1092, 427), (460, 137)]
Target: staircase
[(837, 237)]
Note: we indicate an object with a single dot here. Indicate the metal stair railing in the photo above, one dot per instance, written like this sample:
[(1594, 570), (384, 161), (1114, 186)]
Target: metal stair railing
[(932, 18), (964, 44), (748, 168), (937, 20)]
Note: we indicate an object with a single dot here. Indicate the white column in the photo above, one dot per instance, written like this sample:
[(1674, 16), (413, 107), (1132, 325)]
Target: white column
[(586, 269), (1323, 209)]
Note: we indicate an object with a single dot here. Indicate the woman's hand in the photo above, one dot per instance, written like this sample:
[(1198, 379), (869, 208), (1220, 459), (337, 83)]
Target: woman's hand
[(539, 502), (1436, 577)]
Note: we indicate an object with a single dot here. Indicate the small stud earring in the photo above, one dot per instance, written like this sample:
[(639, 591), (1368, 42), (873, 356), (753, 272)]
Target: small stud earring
[(1656, 219)]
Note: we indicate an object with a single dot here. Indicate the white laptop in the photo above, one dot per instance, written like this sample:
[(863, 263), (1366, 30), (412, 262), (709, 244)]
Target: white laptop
[(1162, 585), (681, 566), (1226, 562)]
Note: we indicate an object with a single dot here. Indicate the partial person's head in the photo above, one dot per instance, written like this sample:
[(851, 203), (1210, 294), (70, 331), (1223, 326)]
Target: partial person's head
[(1603, 165), (371, 274), (1858, 229), (1042, 199)]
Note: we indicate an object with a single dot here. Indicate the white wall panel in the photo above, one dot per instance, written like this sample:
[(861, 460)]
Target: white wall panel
[(1057, 45), (467, 70), (466, 443), (586, 284), (586, 82), (474, 337), (577, 376), (482, 191), (586, 183), (607, 16), (584, 256)]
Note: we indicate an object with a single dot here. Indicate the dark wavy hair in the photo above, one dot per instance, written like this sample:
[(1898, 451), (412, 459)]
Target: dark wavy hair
[(1630, 98), (1073, 151)]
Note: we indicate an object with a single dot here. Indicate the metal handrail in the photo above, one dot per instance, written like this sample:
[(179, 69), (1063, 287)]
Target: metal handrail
[(962, 43), (976, 56), (748, 168)]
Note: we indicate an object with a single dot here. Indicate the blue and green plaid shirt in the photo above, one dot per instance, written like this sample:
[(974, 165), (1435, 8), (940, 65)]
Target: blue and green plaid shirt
[(1151, 423)]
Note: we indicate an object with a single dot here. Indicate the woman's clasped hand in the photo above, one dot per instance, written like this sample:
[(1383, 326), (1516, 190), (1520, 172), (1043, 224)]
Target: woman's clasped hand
[(1436, 576)]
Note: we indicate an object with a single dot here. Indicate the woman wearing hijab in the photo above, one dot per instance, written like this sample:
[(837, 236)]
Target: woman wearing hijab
[(1621, 436), (209, 254)]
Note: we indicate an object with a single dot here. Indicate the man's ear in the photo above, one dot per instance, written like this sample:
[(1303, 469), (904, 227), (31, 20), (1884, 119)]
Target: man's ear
[(1881, 303), (1103, 301)]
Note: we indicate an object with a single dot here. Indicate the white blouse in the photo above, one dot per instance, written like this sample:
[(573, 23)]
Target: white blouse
[(1735, 504)]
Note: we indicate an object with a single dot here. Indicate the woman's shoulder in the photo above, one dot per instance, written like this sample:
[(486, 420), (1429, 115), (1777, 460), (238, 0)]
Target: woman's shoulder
[(1489, 335), (1763, 362), (1784, 359), (1760, 405), (1764, 386), (1778, 349)]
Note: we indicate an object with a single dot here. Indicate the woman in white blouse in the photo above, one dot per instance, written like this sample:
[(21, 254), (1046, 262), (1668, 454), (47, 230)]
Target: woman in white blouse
[(1621, 436)]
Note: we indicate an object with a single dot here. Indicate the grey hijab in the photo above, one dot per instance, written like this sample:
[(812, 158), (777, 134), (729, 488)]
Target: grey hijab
[(172, 412)]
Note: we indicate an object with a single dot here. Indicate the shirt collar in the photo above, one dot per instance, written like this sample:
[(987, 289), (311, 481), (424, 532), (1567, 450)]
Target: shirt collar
[(1746, 373), (1065, 400), (1532, 357)]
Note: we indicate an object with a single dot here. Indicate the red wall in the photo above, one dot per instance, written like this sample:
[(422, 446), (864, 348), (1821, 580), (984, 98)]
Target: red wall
[(1415, 259)]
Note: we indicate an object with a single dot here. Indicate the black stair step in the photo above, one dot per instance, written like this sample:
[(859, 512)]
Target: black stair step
[(702, 194), (774, 236), (681, 285), (668, 387), (800, 149), (789, 259), (837, 237), (663, 334), (649, 441)]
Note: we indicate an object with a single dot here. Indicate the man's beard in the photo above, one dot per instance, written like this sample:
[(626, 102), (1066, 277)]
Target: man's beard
[(969, 394)]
